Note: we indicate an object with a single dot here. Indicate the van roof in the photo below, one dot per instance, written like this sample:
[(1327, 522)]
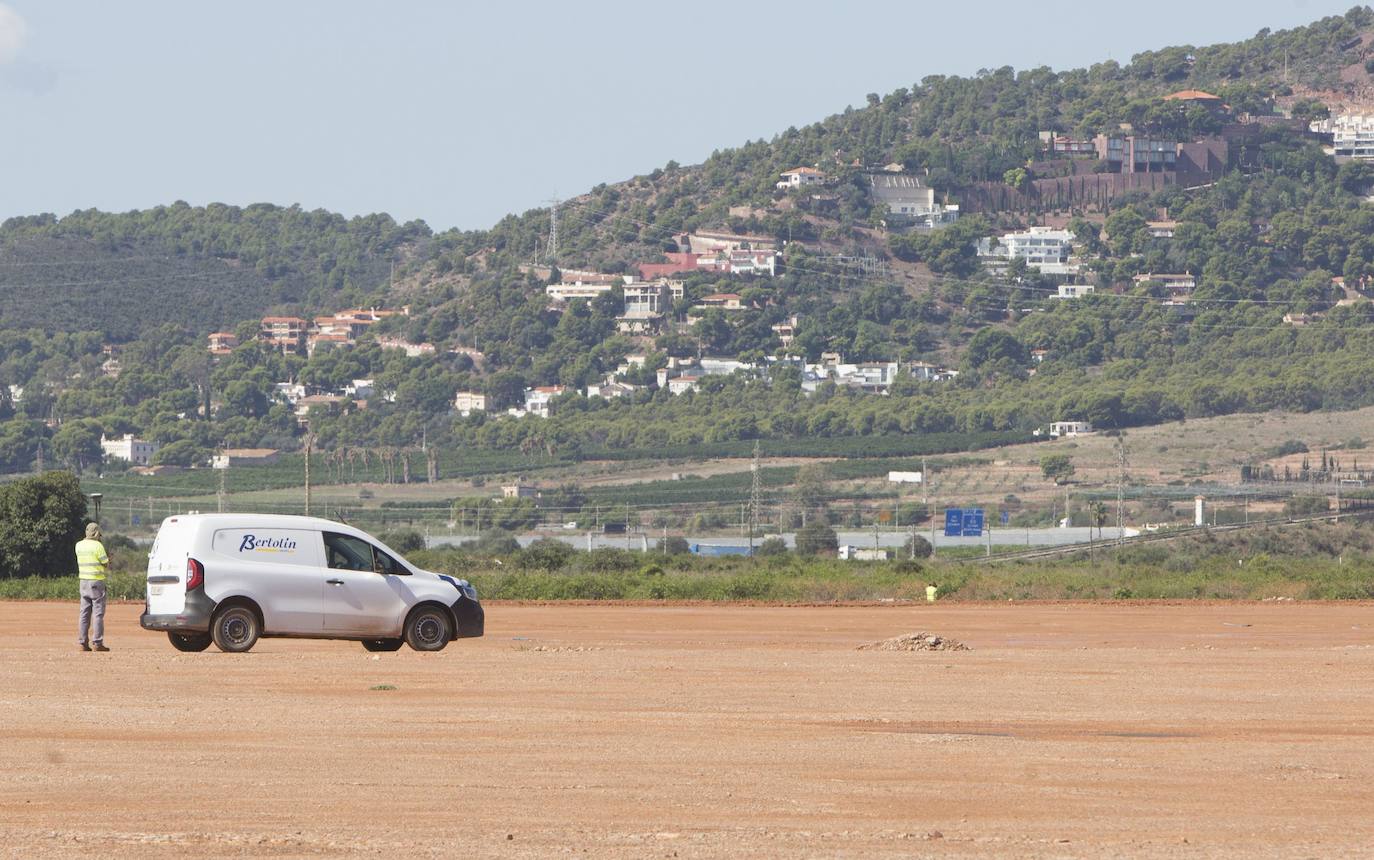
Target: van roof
[(264, 521)]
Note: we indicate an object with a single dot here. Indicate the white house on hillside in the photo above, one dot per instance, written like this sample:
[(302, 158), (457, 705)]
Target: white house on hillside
[(537, 399), (467, 402), (1075, 291), (1041, 247), (126, 447), (800, 176), (1064, 429)]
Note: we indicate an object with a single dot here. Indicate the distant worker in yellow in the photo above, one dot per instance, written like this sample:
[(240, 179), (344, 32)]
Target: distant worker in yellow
[(930, 593), (92, 565)]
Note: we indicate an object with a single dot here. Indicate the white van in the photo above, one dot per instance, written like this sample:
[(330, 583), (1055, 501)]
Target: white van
[(232, 578)]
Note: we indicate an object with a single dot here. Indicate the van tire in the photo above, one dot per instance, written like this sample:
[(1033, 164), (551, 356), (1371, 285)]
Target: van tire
[(235, 628), (383, 644), (194, 642), (428, 628)]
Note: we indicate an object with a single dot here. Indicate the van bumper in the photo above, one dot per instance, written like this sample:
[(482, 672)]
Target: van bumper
[(470, 617), (194, 616)]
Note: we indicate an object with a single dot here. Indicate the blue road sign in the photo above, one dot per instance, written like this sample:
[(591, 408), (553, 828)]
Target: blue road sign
[(963, 522), (973, 522), (1006, 517), (954, 522)]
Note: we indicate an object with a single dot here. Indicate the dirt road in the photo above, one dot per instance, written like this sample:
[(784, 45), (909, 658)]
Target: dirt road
[(1068, 731)]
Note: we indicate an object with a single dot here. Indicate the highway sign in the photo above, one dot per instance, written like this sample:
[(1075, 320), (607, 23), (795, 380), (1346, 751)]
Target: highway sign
[(963, 522)]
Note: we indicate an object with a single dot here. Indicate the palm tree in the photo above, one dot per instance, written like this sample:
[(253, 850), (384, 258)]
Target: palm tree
[(1098, 511)]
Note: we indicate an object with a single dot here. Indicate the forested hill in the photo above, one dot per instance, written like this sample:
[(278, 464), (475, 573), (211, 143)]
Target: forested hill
[(202, 268), (1272, 248), (954, 130)]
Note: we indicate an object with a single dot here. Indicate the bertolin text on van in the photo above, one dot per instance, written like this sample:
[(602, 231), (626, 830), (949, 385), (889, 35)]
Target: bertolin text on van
[(253, 543)]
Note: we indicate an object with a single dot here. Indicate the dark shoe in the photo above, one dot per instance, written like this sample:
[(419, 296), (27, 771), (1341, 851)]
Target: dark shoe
[(85, 647), (100, 646)]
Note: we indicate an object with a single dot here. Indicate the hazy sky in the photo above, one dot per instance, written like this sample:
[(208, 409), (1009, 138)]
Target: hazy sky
[(458, 112)]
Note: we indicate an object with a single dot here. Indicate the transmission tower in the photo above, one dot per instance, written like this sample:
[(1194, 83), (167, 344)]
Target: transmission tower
[(1120, 485), (551, 251), (754, 497)]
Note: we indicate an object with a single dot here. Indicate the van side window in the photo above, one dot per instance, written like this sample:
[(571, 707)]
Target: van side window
[(387, 564), (344, 552)]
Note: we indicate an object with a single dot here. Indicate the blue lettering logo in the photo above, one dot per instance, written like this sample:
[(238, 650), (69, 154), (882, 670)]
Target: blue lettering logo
[(253, 543)]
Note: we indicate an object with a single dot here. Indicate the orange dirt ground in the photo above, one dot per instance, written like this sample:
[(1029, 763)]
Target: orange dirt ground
[(1070, 730)]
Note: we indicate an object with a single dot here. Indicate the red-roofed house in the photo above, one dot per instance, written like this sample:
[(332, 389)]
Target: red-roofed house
[(223, 342), (798, 177), (284, 333)]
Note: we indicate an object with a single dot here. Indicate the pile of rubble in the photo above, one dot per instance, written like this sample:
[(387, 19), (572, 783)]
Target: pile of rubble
[(916, 642)]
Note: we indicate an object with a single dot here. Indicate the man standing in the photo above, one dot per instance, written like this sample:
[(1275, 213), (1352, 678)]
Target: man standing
[(92, 565)]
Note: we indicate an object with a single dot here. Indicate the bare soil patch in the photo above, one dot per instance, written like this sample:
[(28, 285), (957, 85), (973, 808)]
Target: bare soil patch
[(1083, 730)]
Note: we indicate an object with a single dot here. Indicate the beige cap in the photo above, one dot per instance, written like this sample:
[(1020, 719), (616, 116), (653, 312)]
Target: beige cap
[(92, 530)]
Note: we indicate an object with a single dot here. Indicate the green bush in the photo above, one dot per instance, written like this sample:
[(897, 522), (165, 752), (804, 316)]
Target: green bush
[(772, 546), (404, 541), (41, 519), (815, 538)]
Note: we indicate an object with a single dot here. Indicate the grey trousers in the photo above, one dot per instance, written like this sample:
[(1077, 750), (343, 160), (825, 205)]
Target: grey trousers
[(92, 611)]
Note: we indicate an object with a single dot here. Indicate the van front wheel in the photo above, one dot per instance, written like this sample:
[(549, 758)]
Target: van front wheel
[(383, 644), (189, 641), (235, 629), (427, 629)]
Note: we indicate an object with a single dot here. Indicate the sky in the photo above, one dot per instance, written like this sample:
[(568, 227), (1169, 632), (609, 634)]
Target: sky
[(460, 112)]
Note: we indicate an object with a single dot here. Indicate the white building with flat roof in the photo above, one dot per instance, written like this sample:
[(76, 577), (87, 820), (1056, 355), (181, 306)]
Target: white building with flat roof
[(1075, 291), (126, 447), (1064, 429), (1043, 248), (1352, 135), (576, 290), (467, 402)]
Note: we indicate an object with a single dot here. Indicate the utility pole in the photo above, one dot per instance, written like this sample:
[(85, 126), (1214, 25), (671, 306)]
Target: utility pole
[(754, 498), (1120, 485), (40, 456), (927, 490), (309, 446), (220, 495), (551, 251)]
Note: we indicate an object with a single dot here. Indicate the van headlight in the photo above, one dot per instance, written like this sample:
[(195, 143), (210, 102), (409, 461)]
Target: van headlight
[(468, 591)]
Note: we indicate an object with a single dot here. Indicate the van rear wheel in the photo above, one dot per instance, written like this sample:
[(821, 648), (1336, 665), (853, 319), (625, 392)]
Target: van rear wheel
[(383, 644), (189, 641), (235, 629), (427, 629)]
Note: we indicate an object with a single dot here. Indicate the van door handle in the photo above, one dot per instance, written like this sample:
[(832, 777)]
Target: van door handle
[(334, 581)]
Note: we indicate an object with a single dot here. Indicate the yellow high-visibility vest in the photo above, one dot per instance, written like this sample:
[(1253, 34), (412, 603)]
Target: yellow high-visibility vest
[(91, 560)]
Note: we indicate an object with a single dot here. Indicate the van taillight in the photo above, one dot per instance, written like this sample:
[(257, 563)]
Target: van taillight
[(195, 574)]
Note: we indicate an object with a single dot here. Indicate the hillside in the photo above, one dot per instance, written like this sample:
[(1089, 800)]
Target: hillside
[(1230, 279), (202, 268)]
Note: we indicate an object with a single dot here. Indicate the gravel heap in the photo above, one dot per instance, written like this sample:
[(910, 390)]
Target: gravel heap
[(916, 642)]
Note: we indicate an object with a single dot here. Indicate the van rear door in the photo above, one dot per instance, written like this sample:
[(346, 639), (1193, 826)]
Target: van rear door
[(167, 566)]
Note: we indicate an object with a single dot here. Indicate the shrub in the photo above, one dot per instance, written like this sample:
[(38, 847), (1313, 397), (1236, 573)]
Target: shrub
[(545, 554), (816, 538), (1283, 449), (496, 542), (1305, 506), (404, 541), (772, 546), (41, 519), (917, 547), (675, 546)]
